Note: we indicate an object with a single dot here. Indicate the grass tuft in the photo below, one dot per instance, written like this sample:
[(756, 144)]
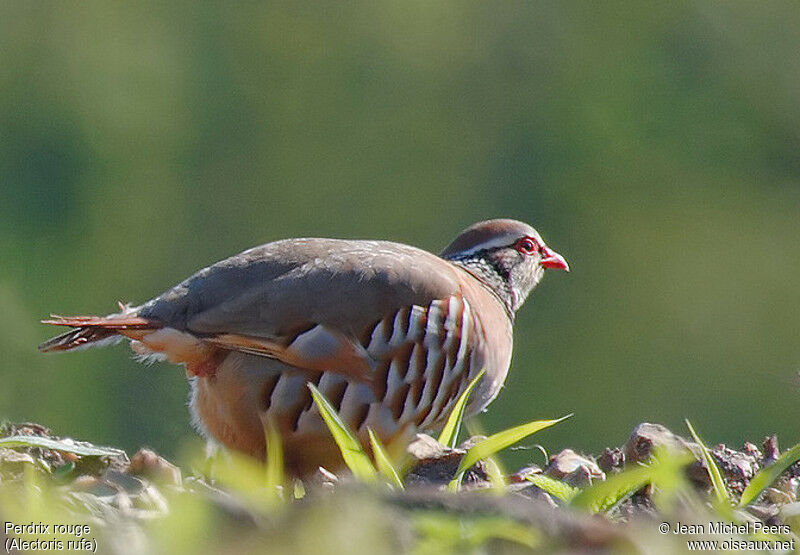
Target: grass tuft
[(554, 487), (496, 443), (721, 492), (452, 427), (766, 476), (353, 453), (65, 445), (383, 462), (275, 475)]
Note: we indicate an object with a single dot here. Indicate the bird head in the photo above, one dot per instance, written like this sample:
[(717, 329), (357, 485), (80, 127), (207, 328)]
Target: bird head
[(508, 256)]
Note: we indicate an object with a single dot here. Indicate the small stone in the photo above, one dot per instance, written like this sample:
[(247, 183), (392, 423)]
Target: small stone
[(126, 482), (105, 490), (573, 469), (518, 477), (436, 464), (646, 437), (531, 491), (737, 467), (151, 465), (15, 458), (763, 512), (85, 482), (770, 448), (752, 450), (24, 429), (777, 497), (470, 442), (611, 460), (425, 447), (787, 485)]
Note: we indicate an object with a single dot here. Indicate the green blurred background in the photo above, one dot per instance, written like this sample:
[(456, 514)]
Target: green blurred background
[(655, 145)]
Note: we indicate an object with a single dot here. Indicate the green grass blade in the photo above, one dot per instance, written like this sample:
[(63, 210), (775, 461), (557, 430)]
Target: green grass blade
[(717, 483), (496, 477), (449, 435), (448, 533), (275, 474), (554, 487), (247, 478), (66, 445), (383, 462), (298, 489), (669, 479), (601, 496), (353, 453), (498, 442), (766, 476), (494, 470)]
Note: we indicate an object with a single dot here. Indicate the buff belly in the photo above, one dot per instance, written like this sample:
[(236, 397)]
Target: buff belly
[(231, 406)]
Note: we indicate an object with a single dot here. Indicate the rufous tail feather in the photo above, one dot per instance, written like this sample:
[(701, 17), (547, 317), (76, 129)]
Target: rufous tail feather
[(92, 330)]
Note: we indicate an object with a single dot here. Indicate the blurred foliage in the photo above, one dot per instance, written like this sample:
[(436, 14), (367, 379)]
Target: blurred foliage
[(148, 505), (654, 145)]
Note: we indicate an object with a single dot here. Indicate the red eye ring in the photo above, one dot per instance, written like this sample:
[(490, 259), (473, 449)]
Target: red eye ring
[(527, 245)]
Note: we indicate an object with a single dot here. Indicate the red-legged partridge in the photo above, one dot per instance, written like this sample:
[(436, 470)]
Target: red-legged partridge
[(389, 333)]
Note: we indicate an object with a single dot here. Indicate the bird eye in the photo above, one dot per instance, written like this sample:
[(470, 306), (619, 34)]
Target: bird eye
[(526, 245)]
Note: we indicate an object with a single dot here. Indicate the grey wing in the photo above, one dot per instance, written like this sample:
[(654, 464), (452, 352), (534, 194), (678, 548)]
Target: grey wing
[(281, 288), (389, 319)]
